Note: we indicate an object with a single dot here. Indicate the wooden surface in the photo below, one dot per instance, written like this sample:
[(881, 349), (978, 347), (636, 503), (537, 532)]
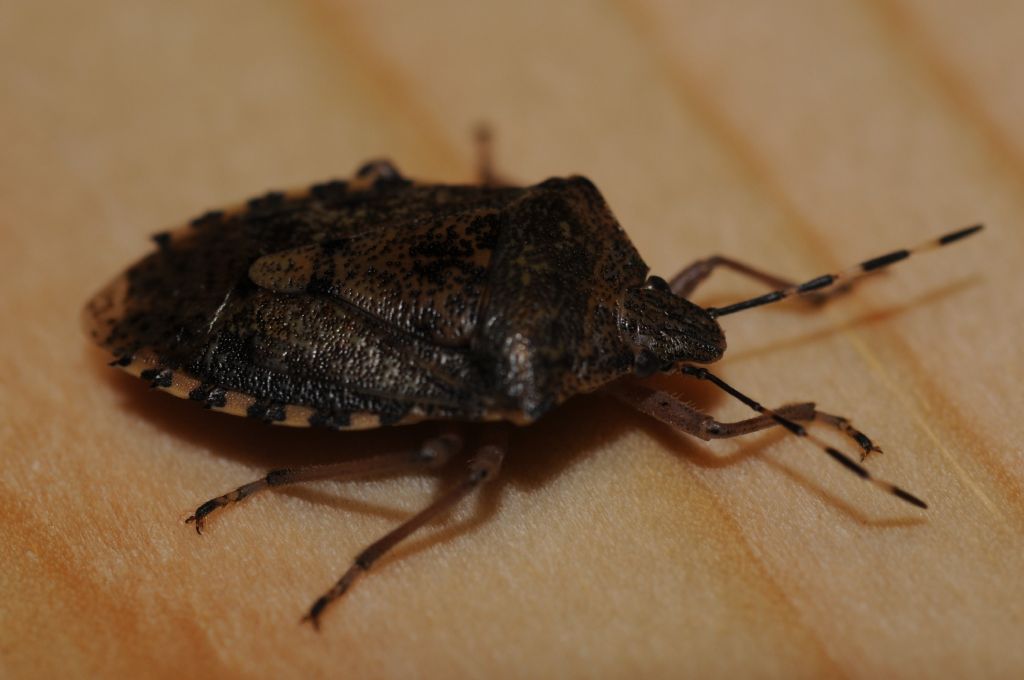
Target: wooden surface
[(800, 136)]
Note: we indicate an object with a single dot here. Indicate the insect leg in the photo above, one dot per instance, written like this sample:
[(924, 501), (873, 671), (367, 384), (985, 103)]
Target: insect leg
[(843, 425), (703, 374), (672, 411), (484, 467), (685, 282), (433, 453), (375, 172), (483, 139)]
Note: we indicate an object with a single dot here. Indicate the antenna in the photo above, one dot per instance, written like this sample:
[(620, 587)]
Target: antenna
[(826, 280)]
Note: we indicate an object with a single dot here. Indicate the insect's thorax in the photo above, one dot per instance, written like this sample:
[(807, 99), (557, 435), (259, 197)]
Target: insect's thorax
[(549, 325)]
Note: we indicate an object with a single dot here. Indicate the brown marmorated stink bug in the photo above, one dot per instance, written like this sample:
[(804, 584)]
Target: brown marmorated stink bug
[(380, 301)]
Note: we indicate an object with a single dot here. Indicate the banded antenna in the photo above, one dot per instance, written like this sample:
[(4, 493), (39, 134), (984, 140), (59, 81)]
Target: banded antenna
[(826, 280)]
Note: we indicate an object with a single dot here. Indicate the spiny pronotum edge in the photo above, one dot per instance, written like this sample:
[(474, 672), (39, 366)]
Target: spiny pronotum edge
[(817, 283)]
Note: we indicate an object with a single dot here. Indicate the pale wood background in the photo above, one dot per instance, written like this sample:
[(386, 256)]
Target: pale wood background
[(798, 135)]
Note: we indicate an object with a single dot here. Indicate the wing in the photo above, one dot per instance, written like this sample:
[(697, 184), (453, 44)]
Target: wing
[(427, 278), (353, 333), (309, 350)]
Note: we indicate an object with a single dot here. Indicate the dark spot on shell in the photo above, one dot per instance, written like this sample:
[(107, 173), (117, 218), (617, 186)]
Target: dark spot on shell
[(391, 182), (332, 189), (211, 396), (267, 200), (268, 412), (207, 218), (392, 414), (163, 239), (200, 392), (218, 398), (334, 421), (158, 377)]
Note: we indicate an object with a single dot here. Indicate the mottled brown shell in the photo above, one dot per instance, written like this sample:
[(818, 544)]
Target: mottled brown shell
[(380, 301)]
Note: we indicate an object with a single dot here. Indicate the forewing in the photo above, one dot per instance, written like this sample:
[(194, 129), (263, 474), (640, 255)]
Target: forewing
[(396, 276), (426, 279)]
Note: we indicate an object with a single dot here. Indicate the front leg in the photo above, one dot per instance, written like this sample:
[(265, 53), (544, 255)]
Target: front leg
[(670, 410), (685, 282)]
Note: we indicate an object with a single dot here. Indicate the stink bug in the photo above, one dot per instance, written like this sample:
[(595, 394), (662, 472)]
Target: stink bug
[(380, 301)]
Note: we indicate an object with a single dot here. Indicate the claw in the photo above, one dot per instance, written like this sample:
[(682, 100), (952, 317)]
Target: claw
[(198, 521), (868, 451), (314, 613), (868, 447), (202, 511)]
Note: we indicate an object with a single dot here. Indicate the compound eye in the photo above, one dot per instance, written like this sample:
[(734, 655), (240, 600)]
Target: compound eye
[(658, 283)]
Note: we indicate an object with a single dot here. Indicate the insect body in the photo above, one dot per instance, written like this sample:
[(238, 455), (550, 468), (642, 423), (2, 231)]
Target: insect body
[(381, 301)]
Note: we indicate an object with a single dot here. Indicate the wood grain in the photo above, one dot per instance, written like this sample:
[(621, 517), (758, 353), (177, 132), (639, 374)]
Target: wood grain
[(796, 135)]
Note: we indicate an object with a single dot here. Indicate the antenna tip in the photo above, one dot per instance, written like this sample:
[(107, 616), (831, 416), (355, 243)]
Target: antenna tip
[(962, 233), (909, 497)]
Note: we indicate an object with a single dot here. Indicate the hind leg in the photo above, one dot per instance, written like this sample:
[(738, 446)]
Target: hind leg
[(433, 453), (483, 468)]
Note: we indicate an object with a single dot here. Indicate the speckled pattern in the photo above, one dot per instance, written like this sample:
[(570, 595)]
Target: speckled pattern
[(379, 301)]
